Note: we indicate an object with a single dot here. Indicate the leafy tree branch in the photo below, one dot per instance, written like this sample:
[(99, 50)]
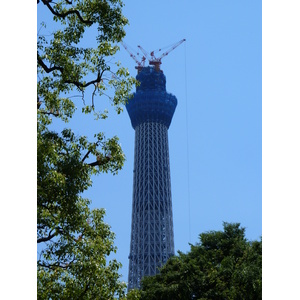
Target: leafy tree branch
[(65, 14), (74, 242), (47, 69)]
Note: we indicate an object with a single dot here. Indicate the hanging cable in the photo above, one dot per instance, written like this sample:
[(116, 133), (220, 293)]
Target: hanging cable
[(187, 144)]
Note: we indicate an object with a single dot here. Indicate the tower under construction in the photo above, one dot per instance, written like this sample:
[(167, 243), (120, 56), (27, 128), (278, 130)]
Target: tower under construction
[(152, 238)]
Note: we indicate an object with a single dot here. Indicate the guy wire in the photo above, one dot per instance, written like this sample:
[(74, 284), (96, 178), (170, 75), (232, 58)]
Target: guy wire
[(187, 144)]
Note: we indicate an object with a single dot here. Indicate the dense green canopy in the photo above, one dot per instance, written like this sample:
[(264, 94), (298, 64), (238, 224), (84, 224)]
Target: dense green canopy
[(224, 265)]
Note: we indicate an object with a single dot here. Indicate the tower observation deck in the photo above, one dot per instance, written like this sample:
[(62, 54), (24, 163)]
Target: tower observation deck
[(152, 238)]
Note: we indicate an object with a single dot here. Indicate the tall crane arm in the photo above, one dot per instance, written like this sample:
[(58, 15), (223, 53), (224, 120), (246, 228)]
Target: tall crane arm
[(171, 49), (131, 54), (144, 52)]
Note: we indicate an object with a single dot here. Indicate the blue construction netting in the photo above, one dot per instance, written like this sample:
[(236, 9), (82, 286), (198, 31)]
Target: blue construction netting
[(151, 102)]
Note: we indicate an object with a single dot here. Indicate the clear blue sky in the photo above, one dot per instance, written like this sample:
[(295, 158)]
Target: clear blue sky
[(216, 130), (216, 133)]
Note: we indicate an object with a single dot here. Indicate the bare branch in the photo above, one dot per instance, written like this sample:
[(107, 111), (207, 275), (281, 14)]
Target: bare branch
[(47, 69), (78, 84), (55, 114), (41, 226), (69, 12), (57, 264), (48, 238), (81, 85), (88, 153), (54, 266), (93, 95), (39, 103), (50, 235), (100, 162), (86, 156)]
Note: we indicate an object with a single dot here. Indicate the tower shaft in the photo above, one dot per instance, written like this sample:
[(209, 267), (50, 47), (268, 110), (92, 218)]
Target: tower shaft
[(152, 237)]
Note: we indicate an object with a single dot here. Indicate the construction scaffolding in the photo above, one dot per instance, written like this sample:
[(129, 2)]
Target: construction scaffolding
[(152, 238)]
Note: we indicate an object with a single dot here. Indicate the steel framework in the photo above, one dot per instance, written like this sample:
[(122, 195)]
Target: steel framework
[(152, 238)]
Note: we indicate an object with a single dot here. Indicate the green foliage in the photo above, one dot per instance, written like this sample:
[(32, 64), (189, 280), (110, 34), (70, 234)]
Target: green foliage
[(133, 295), (224, 265), (66, 64), (73, 241), (74, 264)]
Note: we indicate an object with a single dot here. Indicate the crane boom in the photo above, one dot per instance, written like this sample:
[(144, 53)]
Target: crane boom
[(144, 52), (156, 61), (140, 64), (172, 48), (153, 60)]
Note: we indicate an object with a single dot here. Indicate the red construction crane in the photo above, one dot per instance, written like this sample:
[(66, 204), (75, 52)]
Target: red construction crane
[(156, 61), (141, 63)]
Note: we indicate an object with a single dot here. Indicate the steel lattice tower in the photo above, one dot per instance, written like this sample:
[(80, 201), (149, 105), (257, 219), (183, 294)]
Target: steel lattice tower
[(152, 238)]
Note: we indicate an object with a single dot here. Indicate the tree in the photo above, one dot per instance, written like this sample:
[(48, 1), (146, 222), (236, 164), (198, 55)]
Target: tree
[(133, 295), (73, 241), (224, 265)]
